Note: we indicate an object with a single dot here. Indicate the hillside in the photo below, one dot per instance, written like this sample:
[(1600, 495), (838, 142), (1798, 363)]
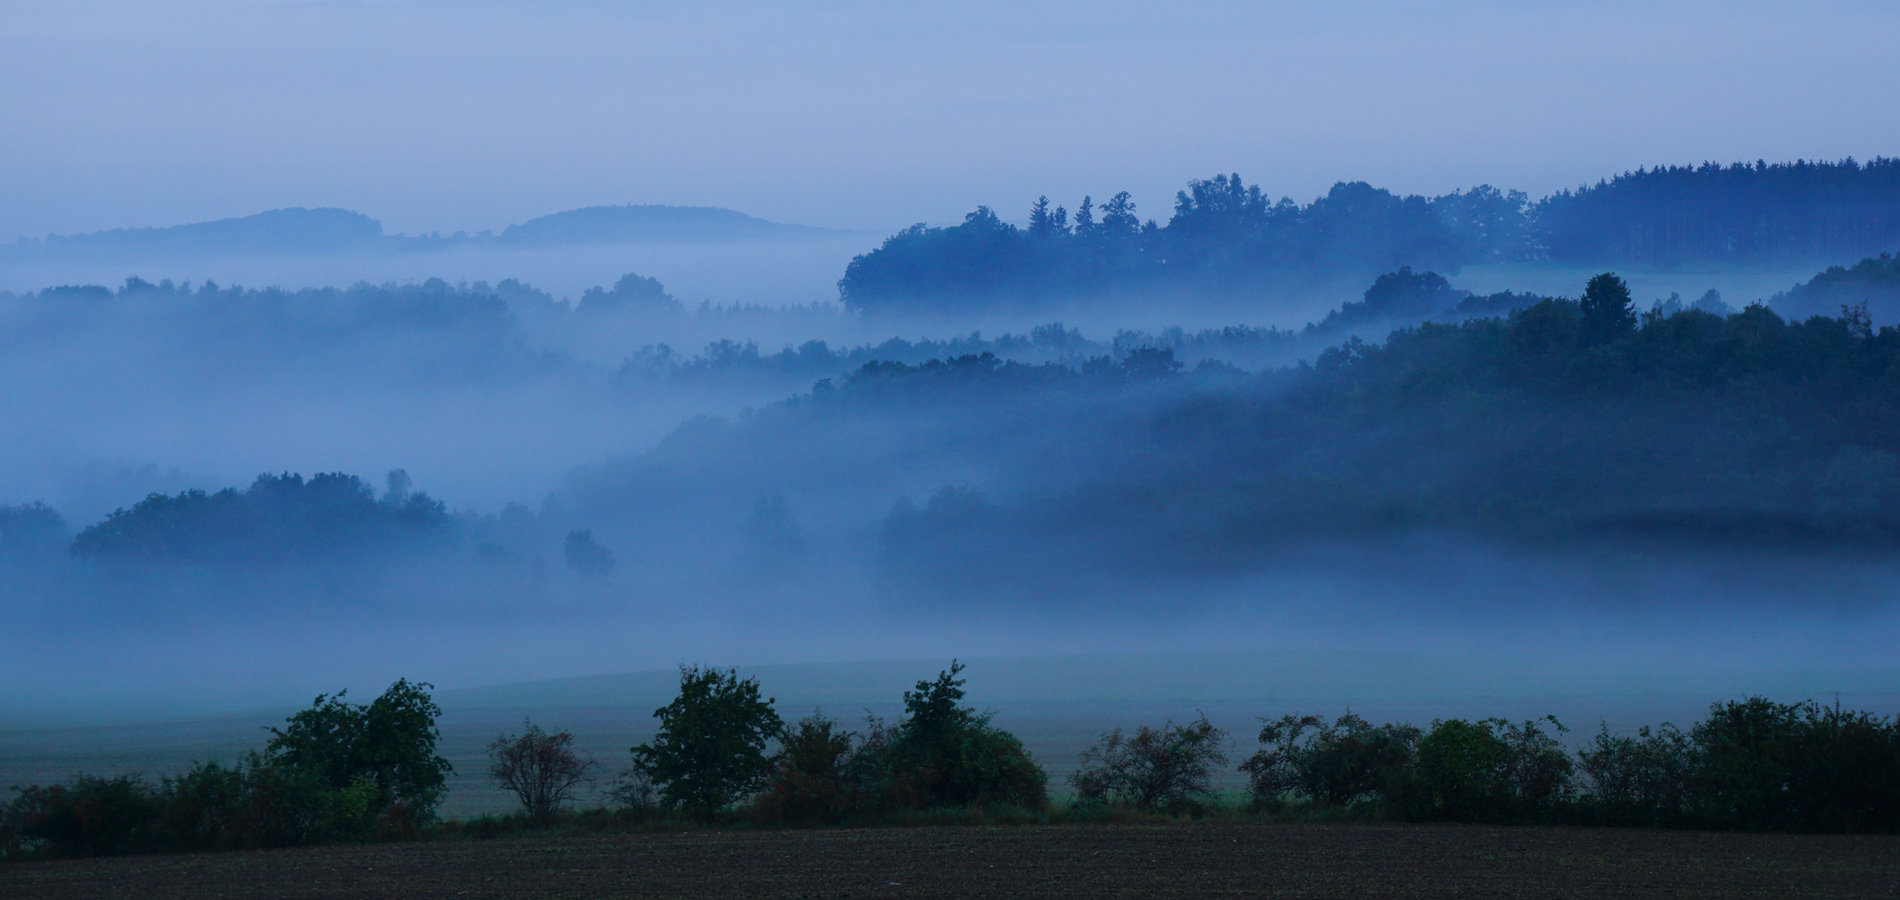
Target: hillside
[(619, 224)]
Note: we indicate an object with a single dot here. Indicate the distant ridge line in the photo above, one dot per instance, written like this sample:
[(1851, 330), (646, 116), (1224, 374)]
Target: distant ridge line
[(295, 230), (598, 224)]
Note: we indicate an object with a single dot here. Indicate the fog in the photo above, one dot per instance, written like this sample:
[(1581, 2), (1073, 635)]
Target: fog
[(1584, 641), (1381, 444), (823, 528)]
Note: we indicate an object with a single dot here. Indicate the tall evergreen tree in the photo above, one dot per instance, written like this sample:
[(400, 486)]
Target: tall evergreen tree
[(1608, 311)]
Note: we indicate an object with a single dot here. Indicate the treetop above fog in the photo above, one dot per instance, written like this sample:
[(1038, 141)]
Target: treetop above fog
[(1228, 237), (279, 518)]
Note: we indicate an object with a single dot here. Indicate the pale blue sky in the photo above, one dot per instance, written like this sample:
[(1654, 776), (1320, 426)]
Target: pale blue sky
[(446, 116)]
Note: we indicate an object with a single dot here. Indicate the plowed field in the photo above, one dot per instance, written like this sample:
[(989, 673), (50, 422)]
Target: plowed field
[(1188, 860)]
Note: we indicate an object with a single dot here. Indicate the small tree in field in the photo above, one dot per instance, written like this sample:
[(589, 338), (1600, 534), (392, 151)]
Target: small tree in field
[(540, 767), (711, 747), (1155, 768)]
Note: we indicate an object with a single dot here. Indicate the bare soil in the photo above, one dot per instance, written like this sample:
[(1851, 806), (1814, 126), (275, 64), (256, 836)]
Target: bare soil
[(1180, 860)]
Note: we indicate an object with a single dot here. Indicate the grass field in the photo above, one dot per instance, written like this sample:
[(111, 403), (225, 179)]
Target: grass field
[(1170, 860)]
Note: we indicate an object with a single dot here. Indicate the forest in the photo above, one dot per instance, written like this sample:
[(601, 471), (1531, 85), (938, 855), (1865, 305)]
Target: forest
[(1226, 237), (1558, 423), (1564, 423)]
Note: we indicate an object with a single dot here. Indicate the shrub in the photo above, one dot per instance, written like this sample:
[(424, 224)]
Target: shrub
[(943, 753), (710, 750), (1640, 780), (205, 808), (1538, 767), (1462, 771), (540, 768), (1165, 768), (389, 744), (941, 756), (1762, 765), (87, 816), (1847, 777), (1329, 765), (287, 807), (809, 782), (1491, 770)]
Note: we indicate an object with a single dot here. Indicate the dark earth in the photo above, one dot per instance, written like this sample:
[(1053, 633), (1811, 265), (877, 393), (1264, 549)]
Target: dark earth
[(1178, 860)]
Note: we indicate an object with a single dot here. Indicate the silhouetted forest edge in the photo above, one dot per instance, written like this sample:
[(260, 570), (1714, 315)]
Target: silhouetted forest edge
[(1229, 238), (723, 757)]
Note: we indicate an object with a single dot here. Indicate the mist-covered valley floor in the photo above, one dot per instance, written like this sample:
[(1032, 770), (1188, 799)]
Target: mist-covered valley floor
[(1419, 498)]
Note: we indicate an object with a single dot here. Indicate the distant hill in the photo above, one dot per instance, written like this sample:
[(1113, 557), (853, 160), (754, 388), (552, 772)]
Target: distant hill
[(614, 224), (300, 231), (277, 231)]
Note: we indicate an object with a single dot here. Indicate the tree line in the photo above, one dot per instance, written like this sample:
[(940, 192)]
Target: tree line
[(340, 771), (1226, 236), (1740, 212)]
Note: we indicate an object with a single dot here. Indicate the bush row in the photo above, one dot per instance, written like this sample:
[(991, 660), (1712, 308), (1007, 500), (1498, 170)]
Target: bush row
[(342, 772), (1753, 764), (710, 755), (336, 771)]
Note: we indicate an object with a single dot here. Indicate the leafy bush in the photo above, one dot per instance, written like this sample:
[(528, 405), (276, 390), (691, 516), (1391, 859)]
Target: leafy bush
[(87, 816), (385, 750), (1329, 765), (1165, 768), (1848, 775), (207, 807), (1491, 770), (710, 750), (1461, 771), (941, 755), (809, 782), (1762, 765), (1538, 767), (1639, 780)]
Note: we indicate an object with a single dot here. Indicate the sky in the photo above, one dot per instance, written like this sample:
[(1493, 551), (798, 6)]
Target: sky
[(443, 116)]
